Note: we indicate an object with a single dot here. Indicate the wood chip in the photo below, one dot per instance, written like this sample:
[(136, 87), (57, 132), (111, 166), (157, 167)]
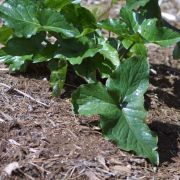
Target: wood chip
[(91, 175), (11, 167), (121, 169)]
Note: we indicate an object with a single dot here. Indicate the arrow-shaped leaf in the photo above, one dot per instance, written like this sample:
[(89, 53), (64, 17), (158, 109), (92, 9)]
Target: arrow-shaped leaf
[(121, 107)]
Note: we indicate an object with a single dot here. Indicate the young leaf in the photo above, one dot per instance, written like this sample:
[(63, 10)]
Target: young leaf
[(121, 107), (132, 19), (5, 34), (58, 75), (16, 63), (124, 27), (149, 29)]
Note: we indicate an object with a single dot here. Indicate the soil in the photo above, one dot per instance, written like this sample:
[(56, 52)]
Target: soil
[(52, 143)]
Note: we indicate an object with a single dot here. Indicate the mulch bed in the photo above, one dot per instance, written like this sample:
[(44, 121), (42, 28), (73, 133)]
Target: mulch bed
[(52, 143)]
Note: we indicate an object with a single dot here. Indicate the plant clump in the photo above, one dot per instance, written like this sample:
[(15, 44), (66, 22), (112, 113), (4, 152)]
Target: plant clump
[(115, 68)]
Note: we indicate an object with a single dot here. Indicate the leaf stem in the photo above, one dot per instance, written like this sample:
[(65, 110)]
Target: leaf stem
[(126, 51)]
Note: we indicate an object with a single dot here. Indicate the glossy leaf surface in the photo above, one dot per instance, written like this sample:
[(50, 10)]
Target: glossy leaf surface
[(121, 107), (25, 17)]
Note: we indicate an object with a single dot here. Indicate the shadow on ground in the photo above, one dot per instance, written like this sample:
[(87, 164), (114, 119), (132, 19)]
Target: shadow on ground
[(167, 83), (168, 137)]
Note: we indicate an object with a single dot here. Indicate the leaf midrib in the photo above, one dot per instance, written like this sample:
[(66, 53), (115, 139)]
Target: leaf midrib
[(38, 25), (125, 117)]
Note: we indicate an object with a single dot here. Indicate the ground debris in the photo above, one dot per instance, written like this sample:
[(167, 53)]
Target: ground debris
[(37, 142)]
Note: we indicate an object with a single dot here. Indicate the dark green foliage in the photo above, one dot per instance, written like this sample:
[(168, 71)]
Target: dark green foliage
[(62, 34)]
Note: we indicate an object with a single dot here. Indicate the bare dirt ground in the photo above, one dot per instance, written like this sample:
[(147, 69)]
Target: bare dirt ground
[(52, 143)]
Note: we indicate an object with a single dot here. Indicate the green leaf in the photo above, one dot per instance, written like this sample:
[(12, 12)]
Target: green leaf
[(163, 36), (80, 17), (5, 34), (149, 29), (131, 77), (57, 4), (137, 49), (16, 63), (116, 26), (56, 22), (26, 18), (124, 27), (21, 15), (87, 70), (37, 46), (132, 19), (176, 52), (75, 50), (151, 10), (89, 67), (85, 47), (25, 46), (46, 53), (58, 75), (109, 52), (121, 107), (93, 99)]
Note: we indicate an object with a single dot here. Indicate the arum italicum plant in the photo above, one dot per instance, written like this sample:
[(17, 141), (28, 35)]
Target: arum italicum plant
[(120, 62)]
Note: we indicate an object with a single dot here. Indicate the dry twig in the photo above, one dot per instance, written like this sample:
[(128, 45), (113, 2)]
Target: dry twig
[(24, 94)]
